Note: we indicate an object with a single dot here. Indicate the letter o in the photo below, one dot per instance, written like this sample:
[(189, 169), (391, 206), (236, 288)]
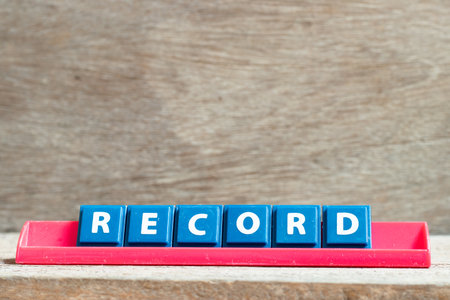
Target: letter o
[(240, 223)]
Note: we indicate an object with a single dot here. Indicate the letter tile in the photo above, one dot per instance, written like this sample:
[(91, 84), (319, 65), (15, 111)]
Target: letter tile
[(347, 226), (101, 225), (198, 226), (296, 226), (247, 226), (149, 225)]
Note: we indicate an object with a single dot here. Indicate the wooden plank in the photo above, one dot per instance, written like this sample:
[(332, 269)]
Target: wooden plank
[(223, 282), (280, 102)]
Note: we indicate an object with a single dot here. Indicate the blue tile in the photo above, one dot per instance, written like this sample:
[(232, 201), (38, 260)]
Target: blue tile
[(101, 225), (198, 226), (247, 226), (346, 227), (149, 225), (296, 226)]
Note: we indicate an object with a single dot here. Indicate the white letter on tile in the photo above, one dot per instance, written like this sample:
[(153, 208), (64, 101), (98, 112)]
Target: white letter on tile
[(192, 227), (146, 223), (96, 222), (240, 223), (295, 220), (340, 223)]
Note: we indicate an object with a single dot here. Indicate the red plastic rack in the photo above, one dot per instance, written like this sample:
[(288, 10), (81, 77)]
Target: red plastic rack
[(394, 245)]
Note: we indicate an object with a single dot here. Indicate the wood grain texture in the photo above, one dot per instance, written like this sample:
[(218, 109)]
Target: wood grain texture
[(277, 101), (20, 288), (163, 282)]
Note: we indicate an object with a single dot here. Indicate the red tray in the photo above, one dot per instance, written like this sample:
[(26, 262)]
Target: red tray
[(394, 245)]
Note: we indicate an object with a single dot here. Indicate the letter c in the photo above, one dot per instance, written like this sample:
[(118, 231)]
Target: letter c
[(192, 227)]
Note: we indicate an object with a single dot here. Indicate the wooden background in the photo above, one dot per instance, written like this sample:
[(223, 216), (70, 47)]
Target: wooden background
[(274, 102)]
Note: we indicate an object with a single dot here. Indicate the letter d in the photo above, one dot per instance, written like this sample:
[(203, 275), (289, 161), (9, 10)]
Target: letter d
[(340, 223)]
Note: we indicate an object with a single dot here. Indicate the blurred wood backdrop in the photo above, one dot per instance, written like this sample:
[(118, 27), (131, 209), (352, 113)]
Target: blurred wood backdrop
[(277, 102)]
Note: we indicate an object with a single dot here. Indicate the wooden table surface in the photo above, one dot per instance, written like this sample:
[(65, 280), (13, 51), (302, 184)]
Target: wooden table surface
[(163, 282)]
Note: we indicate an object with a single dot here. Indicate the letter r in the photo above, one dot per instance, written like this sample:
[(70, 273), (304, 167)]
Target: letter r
[(103, 222), (295, 220)]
